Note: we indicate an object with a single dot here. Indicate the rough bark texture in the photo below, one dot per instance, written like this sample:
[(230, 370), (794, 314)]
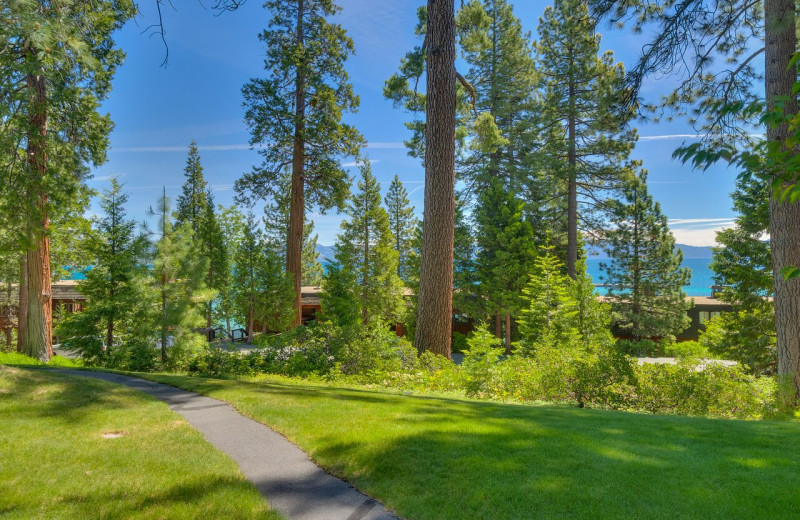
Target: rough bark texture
[(294, 243), (784, 218), (37, 339), (23, 303), (435, 304)]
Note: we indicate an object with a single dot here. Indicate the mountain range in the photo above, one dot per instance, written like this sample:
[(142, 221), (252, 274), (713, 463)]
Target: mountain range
[(327, 252)]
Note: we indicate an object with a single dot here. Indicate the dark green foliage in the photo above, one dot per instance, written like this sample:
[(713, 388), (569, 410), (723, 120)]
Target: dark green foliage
[(506, 250), (107, 331), (340, 296), (270, 110), (263, 291), (403, 225), (644, 276), (365, 248), (743, 266), (193, 200)]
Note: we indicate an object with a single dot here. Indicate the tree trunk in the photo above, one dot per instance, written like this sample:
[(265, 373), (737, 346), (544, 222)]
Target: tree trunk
[(38, 338), (110, 327), (164, 317), (294, 243), (364, 284), (784, 229), (250, 323), (508, 334), (572, 189), (22, 304), (435, 300)]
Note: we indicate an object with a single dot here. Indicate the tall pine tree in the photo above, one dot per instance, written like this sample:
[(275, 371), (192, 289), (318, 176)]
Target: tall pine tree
[(366, 248), (296, 111), (402, 224), (644, 276), (583, 121), (506, 253)]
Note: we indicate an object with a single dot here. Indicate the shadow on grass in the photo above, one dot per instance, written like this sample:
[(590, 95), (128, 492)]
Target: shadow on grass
[(439, 458)]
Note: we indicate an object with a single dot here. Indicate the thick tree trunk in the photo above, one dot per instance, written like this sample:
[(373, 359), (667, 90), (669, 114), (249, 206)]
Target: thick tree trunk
[(294, 243), (435, 302), (780, 77), (22, 304), (572, 190), (38, 338)]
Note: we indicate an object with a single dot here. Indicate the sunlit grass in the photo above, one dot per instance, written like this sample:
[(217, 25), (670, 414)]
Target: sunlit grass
[(439, 458), (76, 448)]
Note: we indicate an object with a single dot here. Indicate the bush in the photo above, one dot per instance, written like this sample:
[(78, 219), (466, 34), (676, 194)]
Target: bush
[(641, 348), (687, 349), (481, 362)]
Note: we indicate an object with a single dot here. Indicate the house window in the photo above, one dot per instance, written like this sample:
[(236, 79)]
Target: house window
[(707, 315)]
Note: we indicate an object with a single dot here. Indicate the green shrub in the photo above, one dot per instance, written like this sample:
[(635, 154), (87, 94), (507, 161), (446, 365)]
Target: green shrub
[(480, 362), (15, 358), (687, 349), (460, 343), (641, 348)]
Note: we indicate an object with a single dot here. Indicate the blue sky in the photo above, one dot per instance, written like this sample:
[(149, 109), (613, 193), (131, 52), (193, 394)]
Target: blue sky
[(158, 111)]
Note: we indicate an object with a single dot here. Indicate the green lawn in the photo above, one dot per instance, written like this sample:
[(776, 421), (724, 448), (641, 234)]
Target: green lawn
[(56, 463), (434, 458)]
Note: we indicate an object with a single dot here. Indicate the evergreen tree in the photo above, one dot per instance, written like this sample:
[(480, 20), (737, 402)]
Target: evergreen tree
[(276, 231), (312, 268), (402, 224), (593, 316), (502, 72), (113, 286), (193, 200), (506, 253), (57, 63), (584, 122), (551, 316), (179, 278), (296, 111), (232, 224), (263, 291), (742, 265), (341, 296), (645, 276), (366, 247)]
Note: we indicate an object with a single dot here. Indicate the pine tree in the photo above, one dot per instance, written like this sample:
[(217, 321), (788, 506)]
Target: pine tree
[(742, 265), (551, 316), (502, 72), (58, 60), (263, 291), (506, 253), (402, 224), (341, 296), (232, 224), (179, 278), (366, 248), (296, 111), (584, 122), (193, 200), (312, 268), (645, 276), (113, 286)]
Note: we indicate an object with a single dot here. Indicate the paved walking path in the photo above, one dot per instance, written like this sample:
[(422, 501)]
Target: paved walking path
[(292, 483)]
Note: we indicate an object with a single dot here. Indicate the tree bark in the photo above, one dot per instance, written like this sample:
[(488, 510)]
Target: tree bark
[(37, 340), (572, 189), (508, 334), (780, 77), (294, 243), (22, 304), (435, 300)]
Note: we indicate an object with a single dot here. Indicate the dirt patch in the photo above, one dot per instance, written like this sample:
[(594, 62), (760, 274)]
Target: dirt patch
[(113, 435)]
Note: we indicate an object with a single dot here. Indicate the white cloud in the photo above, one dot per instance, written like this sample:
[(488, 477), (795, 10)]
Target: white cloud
[(699, 231), (389, 145), (358, 163), (669, 137), (104, 178), (227, 148)]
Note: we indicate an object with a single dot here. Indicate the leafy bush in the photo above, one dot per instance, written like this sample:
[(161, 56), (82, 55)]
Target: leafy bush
[(642, 348), (481, 362), (459, 343), (687, 349), (15, 358)]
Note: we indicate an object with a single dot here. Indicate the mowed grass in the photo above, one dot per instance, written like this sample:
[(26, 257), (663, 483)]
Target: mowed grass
[(56, 463), (435, 459)]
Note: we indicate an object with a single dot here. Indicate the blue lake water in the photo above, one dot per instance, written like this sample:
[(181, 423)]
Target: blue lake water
[(700, 284)]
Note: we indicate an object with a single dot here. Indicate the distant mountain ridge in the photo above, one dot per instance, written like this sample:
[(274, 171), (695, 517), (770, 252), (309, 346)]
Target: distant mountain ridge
[(328, 252), (688, 251)]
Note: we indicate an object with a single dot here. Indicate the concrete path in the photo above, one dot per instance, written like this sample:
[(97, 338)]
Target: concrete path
[(292, 483)]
